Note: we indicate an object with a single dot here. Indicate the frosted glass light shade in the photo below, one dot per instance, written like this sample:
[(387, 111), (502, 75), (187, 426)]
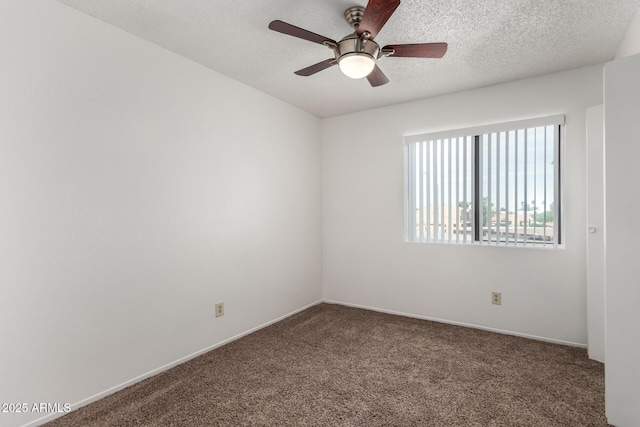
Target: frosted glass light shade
[(356, 65)]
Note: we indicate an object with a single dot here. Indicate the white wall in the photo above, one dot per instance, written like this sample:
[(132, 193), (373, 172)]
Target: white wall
[(367, 263), (622, 180), (631, 43), (137, 189)]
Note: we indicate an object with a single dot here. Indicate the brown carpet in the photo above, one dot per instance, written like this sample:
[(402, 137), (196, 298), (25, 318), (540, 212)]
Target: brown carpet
[(338, 366)]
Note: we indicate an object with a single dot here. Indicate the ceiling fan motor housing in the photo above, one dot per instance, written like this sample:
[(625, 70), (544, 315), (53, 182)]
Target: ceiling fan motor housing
[(352, 44)]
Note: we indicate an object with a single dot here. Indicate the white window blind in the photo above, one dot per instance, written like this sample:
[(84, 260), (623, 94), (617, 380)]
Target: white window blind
[(497, 184)]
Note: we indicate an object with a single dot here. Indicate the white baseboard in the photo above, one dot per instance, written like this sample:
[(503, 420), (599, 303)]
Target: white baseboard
[(168, 366), (451, 322)]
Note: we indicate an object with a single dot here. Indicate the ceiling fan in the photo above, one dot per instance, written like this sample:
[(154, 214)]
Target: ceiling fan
[(357, 53)]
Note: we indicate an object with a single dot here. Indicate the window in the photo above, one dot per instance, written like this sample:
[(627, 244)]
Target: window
[(492, 185)]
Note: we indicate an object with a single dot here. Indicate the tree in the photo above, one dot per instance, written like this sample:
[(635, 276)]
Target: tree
[(544, 217), (486, 210), (465, 212), (526, 207)]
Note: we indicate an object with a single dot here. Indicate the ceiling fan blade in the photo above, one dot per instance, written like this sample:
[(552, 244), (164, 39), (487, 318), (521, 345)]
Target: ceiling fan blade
[(317, 67), (292, 30), (377, 78), (376, 15), (420, 50)]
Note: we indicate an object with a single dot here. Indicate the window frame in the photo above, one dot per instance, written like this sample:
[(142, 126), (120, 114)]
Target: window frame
[(557, 122)]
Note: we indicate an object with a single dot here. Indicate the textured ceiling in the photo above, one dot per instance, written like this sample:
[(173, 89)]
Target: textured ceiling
[(490, 41)]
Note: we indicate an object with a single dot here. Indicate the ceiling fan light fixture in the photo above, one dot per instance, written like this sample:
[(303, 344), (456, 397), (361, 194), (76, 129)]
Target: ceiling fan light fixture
[(356, 65)]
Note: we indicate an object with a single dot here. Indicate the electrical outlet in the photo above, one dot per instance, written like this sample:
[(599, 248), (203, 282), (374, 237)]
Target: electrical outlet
[(496, 298), (219, 309)]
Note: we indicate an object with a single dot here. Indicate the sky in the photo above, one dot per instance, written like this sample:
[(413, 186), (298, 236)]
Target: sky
[(446, 165)]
